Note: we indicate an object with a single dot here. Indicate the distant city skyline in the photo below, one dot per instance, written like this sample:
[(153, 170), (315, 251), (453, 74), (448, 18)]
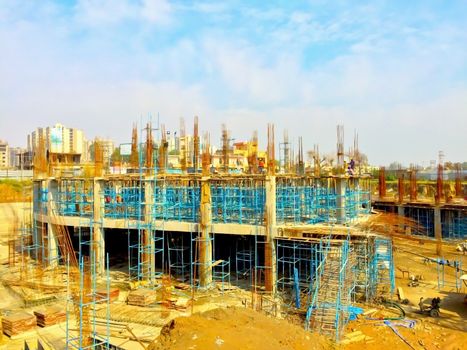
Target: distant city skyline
[(394, 71)]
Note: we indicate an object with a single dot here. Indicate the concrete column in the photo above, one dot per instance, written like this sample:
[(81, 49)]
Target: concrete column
[(36, 227), (400, 210), (270, 258), (357, 189), (205, 242), (438, 231), (149, 256), (401, 213), (51, 247), (98, 242), (341, 185)]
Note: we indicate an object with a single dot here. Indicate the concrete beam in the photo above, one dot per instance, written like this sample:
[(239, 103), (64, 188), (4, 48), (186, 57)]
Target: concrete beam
[(178, 226)]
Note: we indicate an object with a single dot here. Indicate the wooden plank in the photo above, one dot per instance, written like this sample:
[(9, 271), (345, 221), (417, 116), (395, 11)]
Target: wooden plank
[(400, 291)]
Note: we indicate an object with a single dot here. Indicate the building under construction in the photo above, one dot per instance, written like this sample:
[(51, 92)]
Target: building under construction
[(295, 239)]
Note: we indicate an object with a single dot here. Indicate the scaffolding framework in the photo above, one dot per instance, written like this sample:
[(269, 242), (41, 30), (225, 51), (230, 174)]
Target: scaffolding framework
[(82, 333), (179, 253), (244, 262), (241, 201), (453, 266), (382, 275), (331, 290), (75, 197), (84, 294), (296, 265), (425, 217), (308, 200), (454, 225)]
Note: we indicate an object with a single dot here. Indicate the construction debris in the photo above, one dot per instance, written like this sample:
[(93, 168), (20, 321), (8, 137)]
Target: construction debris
[(112, 294), (49, 316), (18, 323), (142, 297)]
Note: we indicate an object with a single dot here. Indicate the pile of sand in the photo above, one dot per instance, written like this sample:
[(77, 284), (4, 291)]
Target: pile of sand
[(235, 328)]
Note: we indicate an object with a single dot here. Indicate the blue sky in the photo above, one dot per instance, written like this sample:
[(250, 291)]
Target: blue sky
[(396, 71)]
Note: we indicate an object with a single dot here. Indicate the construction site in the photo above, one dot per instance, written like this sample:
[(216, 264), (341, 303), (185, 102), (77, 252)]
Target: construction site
[(211, 255)]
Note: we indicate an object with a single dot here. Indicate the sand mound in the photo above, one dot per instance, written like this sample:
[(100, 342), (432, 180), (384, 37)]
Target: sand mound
[(235, 328)]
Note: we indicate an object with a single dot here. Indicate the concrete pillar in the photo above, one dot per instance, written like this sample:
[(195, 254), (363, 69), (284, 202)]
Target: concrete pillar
[(51, 246), (98, 242), (401, 213), (205, 241), (438, 231), (358, 205), (149, 256), (400, 210), (36, 227), (270, 262), (341, 185)]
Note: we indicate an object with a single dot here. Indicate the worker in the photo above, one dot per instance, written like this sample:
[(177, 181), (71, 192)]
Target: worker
[(421, 305), (260, 166), (351, 167), (435, 303)]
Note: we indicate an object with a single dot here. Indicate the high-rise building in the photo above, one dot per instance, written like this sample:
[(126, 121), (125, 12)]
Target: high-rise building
[(20, 158), (65, 144), (4, 154)]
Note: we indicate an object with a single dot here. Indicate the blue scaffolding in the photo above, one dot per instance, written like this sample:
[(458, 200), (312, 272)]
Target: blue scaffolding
[(310, 201), (176, 200), (296, 265), (221, 273), (425, 217), (83, 297), (244, 263), (122, 199), (442, 268), (239, 201), (453, 225), (382, 276), (179, 253), (75, 197)]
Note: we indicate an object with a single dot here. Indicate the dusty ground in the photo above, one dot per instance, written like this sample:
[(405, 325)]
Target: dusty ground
[(447, 332), (235, 328), (216, 325)]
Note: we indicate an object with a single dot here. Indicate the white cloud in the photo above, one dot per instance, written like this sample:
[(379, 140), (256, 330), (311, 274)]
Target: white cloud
[(257, 78), (104, 12), (157, 11)]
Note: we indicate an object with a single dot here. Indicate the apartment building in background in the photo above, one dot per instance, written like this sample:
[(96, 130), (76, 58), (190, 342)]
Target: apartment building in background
[(61, 143), (4, 154)]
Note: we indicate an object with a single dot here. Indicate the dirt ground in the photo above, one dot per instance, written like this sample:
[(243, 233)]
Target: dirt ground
[(235, 328), (246, 329), (221, 322), (447, 332)]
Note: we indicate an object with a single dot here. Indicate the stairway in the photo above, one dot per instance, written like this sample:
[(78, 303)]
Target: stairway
[(327, 313)]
